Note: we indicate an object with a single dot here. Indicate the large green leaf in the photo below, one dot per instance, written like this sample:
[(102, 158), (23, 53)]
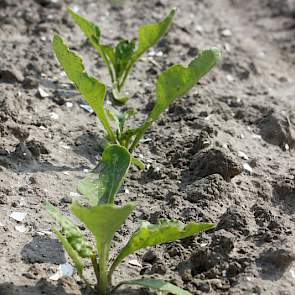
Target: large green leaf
[(164, 232), (102, 184), (92, 90), (159, 285), (150, 34), (89, 28), (177, 81), (70, 250), (103, 221), (70, 232)]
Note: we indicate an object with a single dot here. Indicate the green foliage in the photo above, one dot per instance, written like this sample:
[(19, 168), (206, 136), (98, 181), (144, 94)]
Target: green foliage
[(150, 34), (163, 232), (121, 58), (103, 219), (175, 82), (102, 184), (159, 285), (100, 187), (71, 232), (92, 90)]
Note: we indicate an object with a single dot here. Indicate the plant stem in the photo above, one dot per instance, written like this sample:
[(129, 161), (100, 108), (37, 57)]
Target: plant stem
[(95, 266), (140, 133), (103, 285), (120, 85)]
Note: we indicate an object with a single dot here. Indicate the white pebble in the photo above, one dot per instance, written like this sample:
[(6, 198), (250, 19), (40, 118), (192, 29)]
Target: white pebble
[(18, 216), (248, 168)]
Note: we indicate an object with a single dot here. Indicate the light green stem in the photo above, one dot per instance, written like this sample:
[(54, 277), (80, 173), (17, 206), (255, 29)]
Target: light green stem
[(103, 286), (120, 85), (140, 134)]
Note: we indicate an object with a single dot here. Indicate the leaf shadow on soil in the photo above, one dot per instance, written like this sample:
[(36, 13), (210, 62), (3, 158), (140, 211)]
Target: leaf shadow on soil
[(89, 146), (42, 249), (44, 287), (33, 165)]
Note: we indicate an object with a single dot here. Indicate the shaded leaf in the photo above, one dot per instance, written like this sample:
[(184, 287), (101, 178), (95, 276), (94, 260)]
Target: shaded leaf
[(102, 220), (150, 34), (164, 232), (70, 250), (103, 183), (123, 53), (159, 285), (70, 232), (92, 90)]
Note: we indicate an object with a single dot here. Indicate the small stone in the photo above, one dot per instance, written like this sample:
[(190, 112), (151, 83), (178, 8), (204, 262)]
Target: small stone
[(248, 168), (226, 33), (243, 155), (150, 256), (134, 262), (54, 116), (18, 216), (66, 200), (21, 228), (64, 270), (42, 92)]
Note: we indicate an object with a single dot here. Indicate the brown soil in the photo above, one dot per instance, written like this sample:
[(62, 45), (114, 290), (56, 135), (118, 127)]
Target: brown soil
[(241, 113)]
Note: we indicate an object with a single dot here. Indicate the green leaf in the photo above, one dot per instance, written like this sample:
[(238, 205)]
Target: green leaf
[(138, 163), (92, 90), (101, 185), (159, 285), (70, 250), (102, 220), (177, 81), (123, 53), (150, 34), (89, 28), (109, 52), (70, 232), (164, 232)]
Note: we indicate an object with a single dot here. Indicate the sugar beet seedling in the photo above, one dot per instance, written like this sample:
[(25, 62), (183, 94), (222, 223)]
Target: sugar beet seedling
[(121, 58), (102, 218), (172, 83)]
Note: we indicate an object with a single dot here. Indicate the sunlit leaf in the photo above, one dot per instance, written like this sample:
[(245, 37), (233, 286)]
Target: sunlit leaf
[(89, 28), (150, 34), (92, 90), (102, 184), (103, 221), (163, 232), (177, 81)]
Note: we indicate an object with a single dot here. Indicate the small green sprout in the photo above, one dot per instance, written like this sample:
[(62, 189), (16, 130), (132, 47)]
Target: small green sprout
[(103, 219), (121, 58)]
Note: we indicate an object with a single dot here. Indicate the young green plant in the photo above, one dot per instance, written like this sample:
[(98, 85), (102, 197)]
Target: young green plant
[(103, 219), (174, 82), (121, 58)]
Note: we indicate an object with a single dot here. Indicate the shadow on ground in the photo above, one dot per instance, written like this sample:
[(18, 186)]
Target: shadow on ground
[(48, 288), (42, 250)]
